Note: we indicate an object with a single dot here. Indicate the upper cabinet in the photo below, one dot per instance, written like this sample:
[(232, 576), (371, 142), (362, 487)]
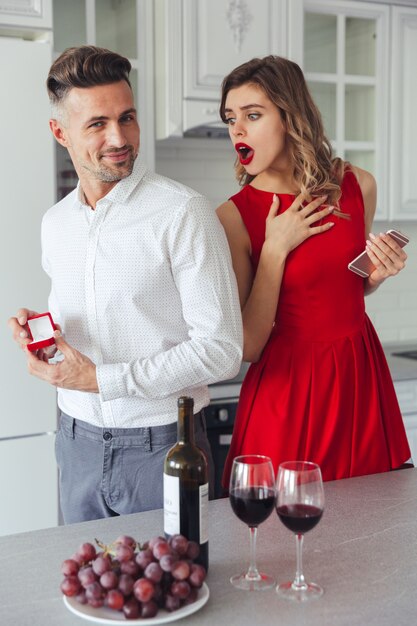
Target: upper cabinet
[(403, 156), (344, 52), (30, 14), (198, 42)]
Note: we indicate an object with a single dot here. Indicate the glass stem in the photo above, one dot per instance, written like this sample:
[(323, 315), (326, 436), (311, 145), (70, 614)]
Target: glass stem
[(299, 580), (252, 573)]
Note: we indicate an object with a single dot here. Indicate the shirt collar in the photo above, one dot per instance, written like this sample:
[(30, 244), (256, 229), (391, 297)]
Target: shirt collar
[(120, 192)]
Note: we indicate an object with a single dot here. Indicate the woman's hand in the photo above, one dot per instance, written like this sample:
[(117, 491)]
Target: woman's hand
[(286, 231), (387, 257)]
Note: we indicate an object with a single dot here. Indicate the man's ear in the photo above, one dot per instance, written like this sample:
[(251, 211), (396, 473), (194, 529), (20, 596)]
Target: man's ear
[(59, 132)]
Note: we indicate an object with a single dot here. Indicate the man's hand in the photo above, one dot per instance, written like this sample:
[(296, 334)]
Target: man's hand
[(75, 371), (18, 327)]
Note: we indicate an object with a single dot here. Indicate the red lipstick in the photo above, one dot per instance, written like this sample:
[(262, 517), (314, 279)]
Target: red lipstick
[(245, 152)]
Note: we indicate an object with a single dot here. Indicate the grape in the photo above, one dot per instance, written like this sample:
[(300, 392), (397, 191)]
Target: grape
[(167, 561), (197, 575), (70, 586), (86, 576), (143, 590), (94, 592), (179, 543), (80, 597), (87, 552), (130, 567), (126, 583), (109, 580), (144, 557), (154, 540), (70, 567), (149, 609), (101, 564), (131, 609), (180, 589), (192, 596), (115, 600), (180, 570), (134, 578), (161, 548), (153, 572), (172, 603), (123, 553), (193, 550), (125, 540)]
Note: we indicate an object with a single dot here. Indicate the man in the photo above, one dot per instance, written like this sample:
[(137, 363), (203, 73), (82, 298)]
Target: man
[(142, 287)]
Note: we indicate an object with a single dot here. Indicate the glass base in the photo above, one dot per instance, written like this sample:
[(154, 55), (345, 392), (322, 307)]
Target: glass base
[(242, 581), (302, 593)]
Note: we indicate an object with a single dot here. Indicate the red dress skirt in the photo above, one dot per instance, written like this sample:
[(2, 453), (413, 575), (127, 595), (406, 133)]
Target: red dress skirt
[(322, 390)]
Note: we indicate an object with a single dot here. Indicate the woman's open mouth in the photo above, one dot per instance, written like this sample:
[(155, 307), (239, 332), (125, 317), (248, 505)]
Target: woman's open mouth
[(245, 152)]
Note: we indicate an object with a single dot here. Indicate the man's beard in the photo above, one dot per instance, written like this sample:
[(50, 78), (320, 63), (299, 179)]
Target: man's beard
[(117, 171)]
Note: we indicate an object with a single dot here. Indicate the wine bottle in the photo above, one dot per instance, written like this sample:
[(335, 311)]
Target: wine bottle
[(186, 484)]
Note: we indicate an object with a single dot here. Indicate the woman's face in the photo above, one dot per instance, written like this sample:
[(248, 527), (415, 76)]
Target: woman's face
[(256, 129)]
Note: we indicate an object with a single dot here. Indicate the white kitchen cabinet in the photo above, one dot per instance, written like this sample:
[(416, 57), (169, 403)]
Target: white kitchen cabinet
[(406, 391), (28, 472), (403, 166), (344, 52), (29, 484), (31, 14), (198, 42)]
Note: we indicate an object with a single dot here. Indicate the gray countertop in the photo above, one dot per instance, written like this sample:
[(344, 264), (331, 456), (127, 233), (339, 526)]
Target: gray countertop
[(364, 553)]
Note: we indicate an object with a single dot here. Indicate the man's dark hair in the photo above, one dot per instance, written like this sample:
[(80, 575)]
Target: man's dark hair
[(85, 66)]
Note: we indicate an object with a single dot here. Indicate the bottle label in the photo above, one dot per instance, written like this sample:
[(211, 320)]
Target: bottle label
[(204, 499), (171, 505)]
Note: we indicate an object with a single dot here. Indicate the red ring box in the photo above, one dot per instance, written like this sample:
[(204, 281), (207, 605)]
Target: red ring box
[(41, 330)]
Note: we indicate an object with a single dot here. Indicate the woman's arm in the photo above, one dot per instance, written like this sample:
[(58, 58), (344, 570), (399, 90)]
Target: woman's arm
[(259, 293), (386, 255)]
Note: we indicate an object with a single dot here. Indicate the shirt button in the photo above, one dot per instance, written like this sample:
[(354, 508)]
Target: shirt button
[(107, 436)]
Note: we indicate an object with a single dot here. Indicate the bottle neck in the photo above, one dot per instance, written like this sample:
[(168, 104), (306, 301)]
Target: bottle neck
[(185, 426)]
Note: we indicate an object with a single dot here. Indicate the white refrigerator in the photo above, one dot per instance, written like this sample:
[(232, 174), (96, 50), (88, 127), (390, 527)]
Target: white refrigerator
[(28, 473)]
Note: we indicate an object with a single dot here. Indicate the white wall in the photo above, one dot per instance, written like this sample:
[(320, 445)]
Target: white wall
[(207, 165)]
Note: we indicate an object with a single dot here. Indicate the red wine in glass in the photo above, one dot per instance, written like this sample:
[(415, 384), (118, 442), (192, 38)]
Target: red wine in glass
[(252, 505), (252, 498), (300, 518), (300, 505)]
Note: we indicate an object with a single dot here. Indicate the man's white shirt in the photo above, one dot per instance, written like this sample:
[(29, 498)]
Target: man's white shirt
[(143, 285)]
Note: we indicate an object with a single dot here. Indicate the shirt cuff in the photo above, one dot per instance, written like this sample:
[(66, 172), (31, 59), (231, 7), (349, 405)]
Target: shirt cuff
[(110, 381)]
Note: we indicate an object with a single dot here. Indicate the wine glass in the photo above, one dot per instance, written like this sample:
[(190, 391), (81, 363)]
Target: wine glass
[(252, 496), (300, 505)]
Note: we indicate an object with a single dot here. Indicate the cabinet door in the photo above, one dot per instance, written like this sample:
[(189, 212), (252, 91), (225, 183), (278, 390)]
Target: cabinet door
[(198, 42), (27, 13), (29, 484), (406, 391), (344, 54), (403, 180), (219, 36)]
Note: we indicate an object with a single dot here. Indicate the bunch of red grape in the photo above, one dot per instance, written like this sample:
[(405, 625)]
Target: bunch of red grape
[(136, 579)]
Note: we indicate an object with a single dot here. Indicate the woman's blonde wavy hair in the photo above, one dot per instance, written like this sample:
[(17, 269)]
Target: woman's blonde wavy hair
[(316, 171)]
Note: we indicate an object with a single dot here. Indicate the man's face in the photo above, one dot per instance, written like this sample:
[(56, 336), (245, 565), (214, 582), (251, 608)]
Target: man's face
[(100, 130)]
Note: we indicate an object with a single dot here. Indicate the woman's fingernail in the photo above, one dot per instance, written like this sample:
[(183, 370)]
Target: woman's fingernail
[(275, 197), (331, 209), (57, 333), (22, 321), (23, 334), (372, 236)]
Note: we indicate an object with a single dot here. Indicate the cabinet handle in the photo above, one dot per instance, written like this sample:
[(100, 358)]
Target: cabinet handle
[(210, 111)]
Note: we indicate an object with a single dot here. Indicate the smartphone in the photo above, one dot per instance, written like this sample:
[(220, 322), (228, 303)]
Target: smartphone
[(362, 265)]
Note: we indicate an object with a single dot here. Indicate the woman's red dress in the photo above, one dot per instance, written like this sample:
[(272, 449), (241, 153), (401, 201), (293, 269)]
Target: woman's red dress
[(322, 390)]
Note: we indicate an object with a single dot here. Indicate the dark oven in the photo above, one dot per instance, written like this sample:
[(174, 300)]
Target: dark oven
[(220, 417)]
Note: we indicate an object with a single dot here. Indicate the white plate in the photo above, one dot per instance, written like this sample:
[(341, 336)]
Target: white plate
[(104, 615)]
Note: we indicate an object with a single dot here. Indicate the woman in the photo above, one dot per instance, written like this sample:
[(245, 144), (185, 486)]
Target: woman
[(319, 387)]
